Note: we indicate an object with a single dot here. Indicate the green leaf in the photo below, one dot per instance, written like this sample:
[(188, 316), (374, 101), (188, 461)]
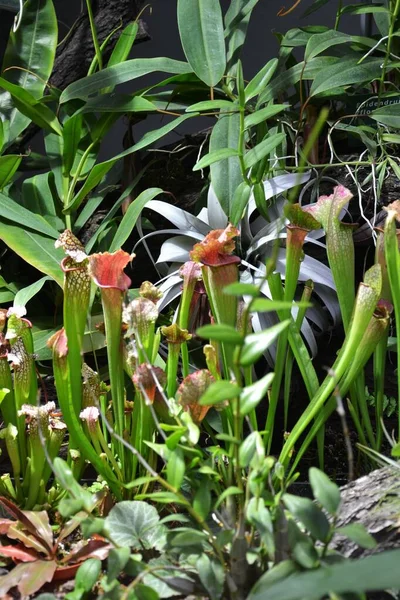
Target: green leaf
[(131, 216), (12, 211), (240, 201), (325, 491), (8, 166), (220, 333), (213, 157), (39, 195), (202, 499), (263, 114), (346, 72), (388, 115), (27, 104), (249, 447), (23, 296), (377, 572), (101, 169), (32, 48), (226, 174), (309, 514), (230, 491), (263, 149), (256, 344), (201, 31), (358, 534), (220, 391), (267, 305), (211, 105), (71, 137), (34, 248), (253, 394), (355, 9), (134, 523), (261, 80), (315, 6), (241, 289), (121, 73), (212, 576), (88, 573), (124, 44), (176, 468), (320, 42), (116, 103)]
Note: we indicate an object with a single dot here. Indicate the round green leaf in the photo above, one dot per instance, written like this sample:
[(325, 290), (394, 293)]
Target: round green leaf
[(134, 523)]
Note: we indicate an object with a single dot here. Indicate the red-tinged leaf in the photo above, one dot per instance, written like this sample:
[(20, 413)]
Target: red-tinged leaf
[(36, 523), (36, 575), (95, 548), (29, 577), (5, 524), (27, 539), (19, 553)]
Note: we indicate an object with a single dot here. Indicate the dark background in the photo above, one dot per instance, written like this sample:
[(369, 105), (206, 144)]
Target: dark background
[(261, 45)]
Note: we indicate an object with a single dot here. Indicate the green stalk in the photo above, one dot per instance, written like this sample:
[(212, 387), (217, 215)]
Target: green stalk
[(379, 386), (94, 35), (367, 297)]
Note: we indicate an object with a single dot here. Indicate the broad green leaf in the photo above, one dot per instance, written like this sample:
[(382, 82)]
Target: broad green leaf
[(253, 394), (220, 391), (320, 42), (377, 572), (127, 71), (263, 114), (12, 211), (134, 524), (261, 80), (226, 174), (325, 491), (358, 534), (202, 35), (8, 166), (220, 333), (101, 169), (309, 514), (257, 343), (388, 115), (213, 157), (263, 149), (131, 216), (211, 105), (23, 296), (346, 72), (124, 44), (31, 48), (35, 248), (251, 445), (212, 575), (27, 104), (88, 574)]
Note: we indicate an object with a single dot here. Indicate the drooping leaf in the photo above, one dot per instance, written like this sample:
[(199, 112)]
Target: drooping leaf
[(121, 73), (202, 35), (346, 72), (23, 296), (35, 248), (31, 48)]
